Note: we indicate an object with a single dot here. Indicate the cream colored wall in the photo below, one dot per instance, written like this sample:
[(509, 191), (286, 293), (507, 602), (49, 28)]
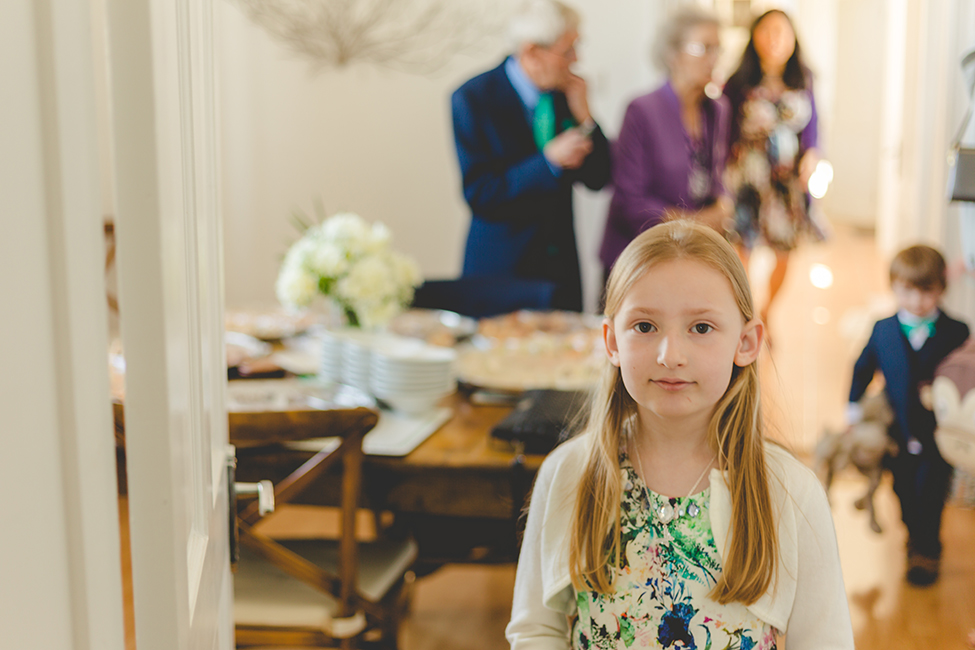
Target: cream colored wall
[(852, 137), (379, 143)]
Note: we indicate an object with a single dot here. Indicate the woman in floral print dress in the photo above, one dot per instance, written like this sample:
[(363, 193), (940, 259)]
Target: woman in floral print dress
[(773, 145), (669, 522)]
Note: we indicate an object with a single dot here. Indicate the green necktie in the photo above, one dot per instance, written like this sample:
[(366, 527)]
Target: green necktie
[(543, 122)]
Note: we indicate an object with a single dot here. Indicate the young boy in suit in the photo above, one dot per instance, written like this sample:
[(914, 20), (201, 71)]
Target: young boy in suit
[(906, 348)]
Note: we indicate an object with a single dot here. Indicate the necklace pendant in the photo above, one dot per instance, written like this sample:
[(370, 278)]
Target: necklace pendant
[(665, 513), (693, 510)]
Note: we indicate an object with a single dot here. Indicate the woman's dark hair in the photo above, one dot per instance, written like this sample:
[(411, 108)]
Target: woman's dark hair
[(749, 73)]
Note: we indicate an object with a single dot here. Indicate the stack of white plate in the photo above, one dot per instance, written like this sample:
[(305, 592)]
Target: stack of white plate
[(410, 375), (356, 358), (330, 367)]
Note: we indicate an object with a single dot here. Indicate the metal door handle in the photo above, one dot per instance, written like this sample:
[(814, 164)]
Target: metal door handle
[(265, 501), (264, 491)]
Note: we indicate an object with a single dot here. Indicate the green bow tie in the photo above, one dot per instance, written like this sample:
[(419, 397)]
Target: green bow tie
[(926, 326)]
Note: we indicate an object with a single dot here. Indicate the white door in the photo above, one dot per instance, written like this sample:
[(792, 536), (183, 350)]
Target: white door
[(171, 314)]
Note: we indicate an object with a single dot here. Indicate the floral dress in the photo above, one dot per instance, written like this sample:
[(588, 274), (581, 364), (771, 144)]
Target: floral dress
[(763, 171), (666, 572)]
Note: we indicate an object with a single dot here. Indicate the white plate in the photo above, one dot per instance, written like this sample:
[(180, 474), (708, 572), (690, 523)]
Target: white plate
[(435, 326), (242, 347), (411, 373), (406, 376), (268, 324), (443, 387)]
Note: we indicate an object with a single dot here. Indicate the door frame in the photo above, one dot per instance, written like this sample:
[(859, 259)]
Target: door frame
[(65, 588), (170, 271)]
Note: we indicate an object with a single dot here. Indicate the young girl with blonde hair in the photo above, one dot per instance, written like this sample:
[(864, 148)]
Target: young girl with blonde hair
[(670, 522)]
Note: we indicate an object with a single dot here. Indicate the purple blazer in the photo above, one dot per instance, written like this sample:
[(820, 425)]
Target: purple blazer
[(651, 163)]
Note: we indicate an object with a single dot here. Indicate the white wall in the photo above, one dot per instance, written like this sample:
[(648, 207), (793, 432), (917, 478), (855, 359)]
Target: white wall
[(852, 140), (379, 143), (891, 121), (817, 26)]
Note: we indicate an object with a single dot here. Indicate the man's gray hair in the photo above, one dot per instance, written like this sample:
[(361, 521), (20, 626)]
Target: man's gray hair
[(673, 33), (541, 22)]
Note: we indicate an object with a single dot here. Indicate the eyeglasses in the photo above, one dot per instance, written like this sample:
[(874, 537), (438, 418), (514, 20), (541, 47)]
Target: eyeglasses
[(569, 54), (698, 49)]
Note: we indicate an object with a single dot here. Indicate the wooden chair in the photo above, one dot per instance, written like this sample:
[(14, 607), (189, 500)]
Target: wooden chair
[(316, 592)]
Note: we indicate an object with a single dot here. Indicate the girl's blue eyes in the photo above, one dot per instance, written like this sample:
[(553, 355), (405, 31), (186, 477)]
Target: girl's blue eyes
[(698, 328)]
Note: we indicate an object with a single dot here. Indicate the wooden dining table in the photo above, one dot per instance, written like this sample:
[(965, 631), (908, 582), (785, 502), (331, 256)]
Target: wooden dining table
[(460, 493)]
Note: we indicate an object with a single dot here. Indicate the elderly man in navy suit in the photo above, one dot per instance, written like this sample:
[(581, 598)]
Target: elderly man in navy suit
[(524, 136)]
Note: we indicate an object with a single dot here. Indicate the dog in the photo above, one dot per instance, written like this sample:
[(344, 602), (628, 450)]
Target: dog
[(864, 446)]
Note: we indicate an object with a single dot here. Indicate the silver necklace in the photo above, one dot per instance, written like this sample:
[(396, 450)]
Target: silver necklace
[(665, 512)]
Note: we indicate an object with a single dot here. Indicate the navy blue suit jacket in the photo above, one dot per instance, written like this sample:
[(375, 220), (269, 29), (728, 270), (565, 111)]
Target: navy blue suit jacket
[(904, 369), (521, 224)]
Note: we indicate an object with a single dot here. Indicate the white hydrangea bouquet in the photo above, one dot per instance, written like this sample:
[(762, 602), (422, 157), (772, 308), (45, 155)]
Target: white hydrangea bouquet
[(350, 262)]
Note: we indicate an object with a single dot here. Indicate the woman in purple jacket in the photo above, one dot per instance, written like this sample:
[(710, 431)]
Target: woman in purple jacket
[(773, 145), (670, 154)]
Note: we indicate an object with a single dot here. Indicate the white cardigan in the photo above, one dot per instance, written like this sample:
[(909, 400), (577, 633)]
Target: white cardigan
[(807, 601)]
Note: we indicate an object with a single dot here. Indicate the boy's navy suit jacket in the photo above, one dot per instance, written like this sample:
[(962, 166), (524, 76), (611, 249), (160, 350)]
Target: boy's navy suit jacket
[(904, 369), (521, 223)]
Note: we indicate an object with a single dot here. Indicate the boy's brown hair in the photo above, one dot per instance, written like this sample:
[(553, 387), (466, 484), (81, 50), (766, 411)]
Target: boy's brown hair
[(920, 266)]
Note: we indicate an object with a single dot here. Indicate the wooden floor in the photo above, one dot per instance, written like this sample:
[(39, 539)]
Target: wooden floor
[(816, 335)]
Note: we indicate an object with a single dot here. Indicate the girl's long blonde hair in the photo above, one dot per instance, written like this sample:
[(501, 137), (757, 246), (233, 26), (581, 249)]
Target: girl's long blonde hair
[(734, 432)]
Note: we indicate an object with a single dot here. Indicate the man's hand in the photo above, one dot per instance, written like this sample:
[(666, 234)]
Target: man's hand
[(568, 149), (576, 94)]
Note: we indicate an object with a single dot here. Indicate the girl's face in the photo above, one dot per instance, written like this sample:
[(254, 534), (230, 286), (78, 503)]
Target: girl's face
[(774, 40), (675, 338)]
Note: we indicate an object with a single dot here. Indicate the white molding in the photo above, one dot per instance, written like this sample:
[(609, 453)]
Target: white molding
[(60, 583), (170, 295)]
